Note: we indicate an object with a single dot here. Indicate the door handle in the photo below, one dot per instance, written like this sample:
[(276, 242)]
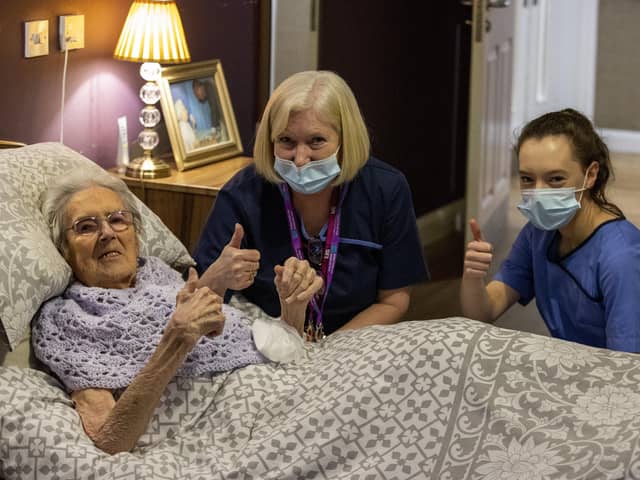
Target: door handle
[(490, 3)]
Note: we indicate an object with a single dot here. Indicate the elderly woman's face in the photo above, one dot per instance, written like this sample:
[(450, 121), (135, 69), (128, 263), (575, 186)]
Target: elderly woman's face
[(306, 138), (104, 258)]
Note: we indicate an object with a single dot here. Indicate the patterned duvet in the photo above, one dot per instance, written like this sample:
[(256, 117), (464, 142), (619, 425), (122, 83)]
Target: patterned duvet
[(443, 399)]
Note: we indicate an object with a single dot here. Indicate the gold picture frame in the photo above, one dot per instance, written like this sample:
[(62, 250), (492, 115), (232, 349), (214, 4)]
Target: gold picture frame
[(198, 114)]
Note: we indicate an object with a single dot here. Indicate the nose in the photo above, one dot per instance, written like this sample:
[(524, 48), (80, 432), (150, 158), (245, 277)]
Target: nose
[(106, 232), (301, 155)]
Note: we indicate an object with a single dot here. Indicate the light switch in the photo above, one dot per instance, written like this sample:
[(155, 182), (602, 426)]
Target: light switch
[(71, 32), (36, 38)]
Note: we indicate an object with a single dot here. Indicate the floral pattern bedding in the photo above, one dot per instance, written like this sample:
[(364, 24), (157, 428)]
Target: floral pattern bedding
[(443, 399)]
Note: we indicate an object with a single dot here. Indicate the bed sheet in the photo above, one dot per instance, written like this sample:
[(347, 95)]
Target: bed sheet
[(443, 399)]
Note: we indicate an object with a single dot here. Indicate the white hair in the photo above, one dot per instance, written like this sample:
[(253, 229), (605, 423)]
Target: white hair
[(62, 188)]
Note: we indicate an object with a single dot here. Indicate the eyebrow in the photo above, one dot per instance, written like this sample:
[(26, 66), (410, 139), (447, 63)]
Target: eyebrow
[(552, 172)]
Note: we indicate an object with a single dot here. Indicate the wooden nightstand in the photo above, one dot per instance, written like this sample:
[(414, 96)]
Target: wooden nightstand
[(184, 199)]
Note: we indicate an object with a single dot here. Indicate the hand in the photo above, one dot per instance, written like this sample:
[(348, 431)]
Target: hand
[(235, 268), (198, 311), (296, 282), (478, 256)]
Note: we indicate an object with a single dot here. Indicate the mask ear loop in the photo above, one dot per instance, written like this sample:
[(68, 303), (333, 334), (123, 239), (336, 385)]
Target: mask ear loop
[(584, 182)]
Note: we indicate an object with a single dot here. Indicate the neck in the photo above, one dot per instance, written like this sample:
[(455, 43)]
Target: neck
[(587, 219), (313, 208)]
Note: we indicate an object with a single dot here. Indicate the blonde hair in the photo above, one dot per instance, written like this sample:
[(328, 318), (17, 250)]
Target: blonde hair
[(329, 96)]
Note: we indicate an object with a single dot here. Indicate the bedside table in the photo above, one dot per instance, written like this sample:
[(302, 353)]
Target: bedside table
[(184, 199)]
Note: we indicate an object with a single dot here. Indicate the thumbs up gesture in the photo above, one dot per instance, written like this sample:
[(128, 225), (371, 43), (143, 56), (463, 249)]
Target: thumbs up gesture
[(236, 268), (478, 256), (240, 266)]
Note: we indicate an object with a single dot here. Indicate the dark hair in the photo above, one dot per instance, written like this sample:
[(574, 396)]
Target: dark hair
[(587, 145)]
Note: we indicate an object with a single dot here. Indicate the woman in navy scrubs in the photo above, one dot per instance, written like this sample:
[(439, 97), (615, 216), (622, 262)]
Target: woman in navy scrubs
[(578, 256), (314, 203)]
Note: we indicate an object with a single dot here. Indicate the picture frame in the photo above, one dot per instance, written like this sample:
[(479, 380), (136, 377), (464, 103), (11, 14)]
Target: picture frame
[(198, 114)]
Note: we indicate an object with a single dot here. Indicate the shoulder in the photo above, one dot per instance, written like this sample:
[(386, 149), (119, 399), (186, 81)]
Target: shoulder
[(154, 270), (621, 230), (534, 236), (244, 178), (618, 241), (380, 180), (376, 169), (248, 187)]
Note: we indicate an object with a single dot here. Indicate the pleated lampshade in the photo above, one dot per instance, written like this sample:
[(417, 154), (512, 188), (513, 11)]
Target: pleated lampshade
[(153, 33)]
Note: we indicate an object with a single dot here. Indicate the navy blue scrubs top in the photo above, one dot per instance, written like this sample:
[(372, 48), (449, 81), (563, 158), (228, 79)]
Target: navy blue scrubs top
[(379, 245)]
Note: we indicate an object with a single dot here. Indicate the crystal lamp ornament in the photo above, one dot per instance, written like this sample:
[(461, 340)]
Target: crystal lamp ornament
[(148, 139), (150, 71), (150, 93), (149, 116)]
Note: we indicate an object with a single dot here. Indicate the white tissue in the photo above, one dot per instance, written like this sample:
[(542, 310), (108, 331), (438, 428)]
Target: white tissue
[(276, 340)]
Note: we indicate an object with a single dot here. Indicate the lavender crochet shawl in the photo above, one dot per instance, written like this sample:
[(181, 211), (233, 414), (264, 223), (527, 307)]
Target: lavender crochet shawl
[(101, 338)]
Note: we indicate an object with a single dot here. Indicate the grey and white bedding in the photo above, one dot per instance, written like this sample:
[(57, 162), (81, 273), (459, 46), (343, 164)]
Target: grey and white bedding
[(443, 399)]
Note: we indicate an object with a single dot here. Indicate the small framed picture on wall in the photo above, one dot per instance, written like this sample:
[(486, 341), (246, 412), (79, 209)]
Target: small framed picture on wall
[(198, 113)]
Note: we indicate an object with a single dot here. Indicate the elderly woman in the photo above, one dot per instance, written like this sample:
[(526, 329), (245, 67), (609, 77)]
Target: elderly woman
[(127, 325), (316, 195)]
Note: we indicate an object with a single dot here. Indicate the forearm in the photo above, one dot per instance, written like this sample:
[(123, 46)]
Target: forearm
[(375, 314), (130, 415), (475, 301), (486, 303), (294, 315), (213, 278), (389, 309)]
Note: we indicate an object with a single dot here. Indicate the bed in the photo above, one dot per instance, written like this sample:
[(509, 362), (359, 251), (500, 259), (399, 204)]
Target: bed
[(444, 399)]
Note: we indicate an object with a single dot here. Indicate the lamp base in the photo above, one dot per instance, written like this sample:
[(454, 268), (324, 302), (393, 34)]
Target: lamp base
[(147, 167)]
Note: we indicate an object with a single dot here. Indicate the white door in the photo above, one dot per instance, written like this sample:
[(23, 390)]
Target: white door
[(294, 38), (556, 49), (490, 141)]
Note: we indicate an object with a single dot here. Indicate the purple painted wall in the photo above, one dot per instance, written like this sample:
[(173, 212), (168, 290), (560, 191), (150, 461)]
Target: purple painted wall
[(99, 89)]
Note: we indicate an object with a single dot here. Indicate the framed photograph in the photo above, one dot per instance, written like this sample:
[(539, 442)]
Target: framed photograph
[(198, 114)]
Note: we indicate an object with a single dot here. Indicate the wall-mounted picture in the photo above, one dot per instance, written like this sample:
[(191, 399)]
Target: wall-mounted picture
[(198, 114)]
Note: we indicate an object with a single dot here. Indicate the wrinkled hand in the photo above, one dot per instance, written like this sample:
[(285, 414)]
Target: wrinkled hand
[(198, 311), (296, 282), (478, 256)]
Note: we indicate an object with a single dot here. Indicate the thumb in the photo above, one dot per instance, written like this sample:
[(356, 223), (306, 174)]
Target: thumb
[(475, 230), (192, 279), (236, 238), (193, 275)]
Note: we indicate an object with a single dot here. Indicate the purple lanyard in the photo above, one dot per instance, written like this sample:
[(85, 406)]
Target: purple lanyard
[(315, 329)]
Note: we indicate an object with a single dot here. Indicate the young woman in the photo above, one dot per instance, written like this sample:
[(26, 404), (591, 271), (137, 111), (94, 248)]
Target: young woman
[(578, 256)]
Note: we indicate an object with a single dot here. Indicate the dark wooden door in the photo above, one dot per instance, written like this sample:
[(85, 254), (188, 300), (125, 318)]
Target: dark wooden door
[(409, 69)]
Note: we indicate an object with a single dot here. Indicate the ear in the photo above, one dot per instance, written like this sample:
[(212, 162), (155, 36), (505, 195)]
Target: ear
[(592, 174)]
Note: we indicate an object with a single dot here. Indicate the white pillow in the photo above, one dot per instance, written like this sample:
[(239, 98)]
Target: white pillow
[(31, 269)]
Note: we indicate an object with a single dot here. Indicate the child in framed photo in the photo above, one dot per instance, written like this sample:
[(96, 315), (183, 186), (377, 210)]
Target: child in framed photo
[(198, 113)]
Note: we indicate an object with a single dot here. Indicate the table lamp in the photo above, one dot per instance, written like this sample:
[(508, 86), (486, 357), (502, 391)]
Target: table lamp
[(151, 34)]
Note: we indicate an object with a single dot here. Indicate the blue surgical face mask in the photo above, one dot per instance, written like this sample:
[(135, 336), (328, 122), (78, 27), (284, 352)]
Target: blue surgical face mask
[(550, 208), (310, 178)]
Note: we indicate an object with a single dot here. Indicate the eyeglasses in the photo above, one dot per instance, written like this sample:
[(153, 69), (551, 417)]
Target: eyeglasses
[(118, 221)]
